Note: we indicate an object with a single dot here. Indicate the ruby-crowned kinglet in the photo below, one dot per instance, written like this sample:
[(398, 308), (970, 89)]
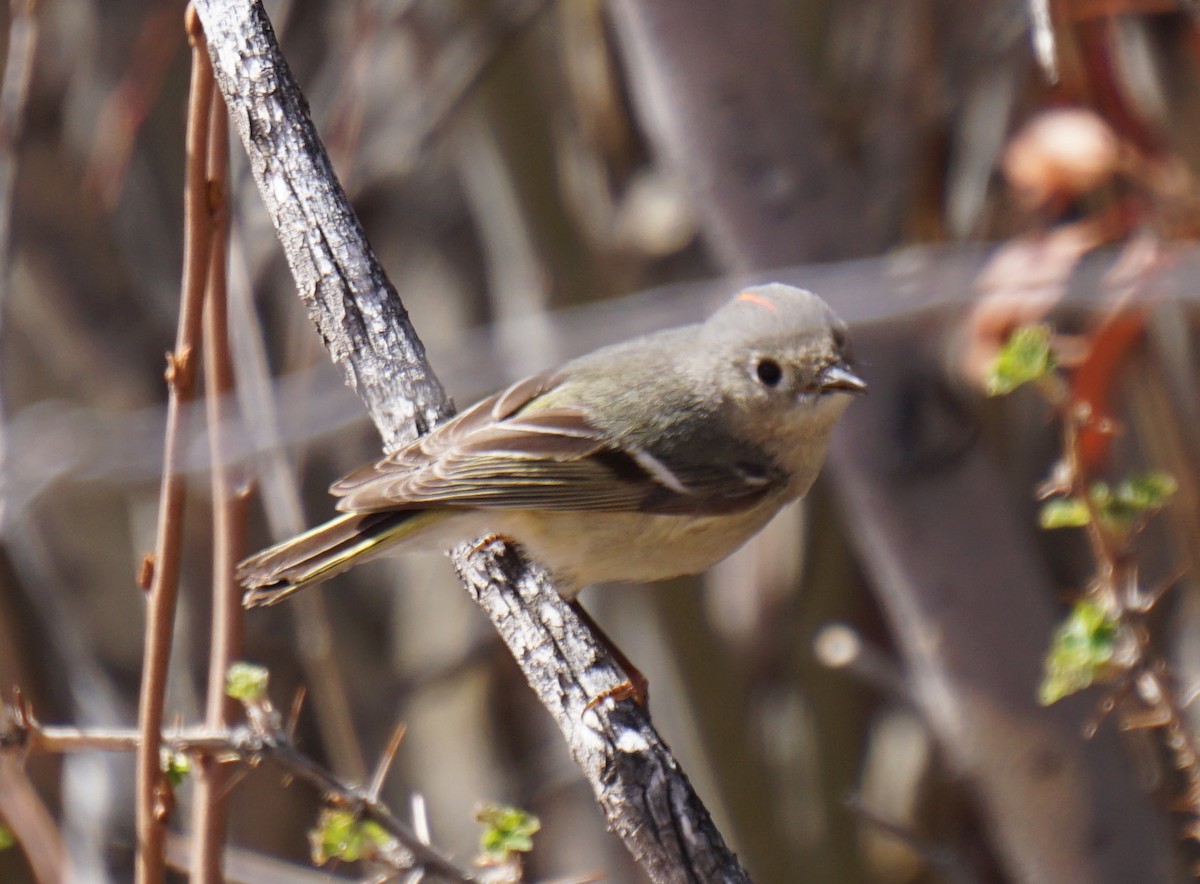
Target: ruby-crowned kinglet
[(645, 460)]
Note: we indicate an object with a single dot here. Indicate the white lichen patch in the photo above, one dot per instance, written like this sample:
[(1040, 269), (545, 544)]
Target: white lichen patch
[(631, 742)]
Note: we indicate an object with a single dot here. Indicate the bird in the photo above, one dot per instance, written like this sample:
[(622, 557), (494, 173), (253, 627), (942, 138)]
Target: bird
[(638, 462)]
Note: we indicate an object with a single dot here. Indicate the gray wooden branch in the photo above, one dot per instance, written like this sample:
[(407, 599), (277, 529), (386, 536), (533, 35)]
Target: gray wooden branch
[(646, 797)]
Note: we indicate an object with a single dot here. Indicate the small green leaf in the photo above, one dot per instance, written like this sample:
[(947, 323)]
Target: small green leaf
[(1025, 357), (246, 682), (175, 765), (506, 830), (7, 839), (1149, 491), (1117, 507), (339, 834), (1063, 512), (1080, 653)]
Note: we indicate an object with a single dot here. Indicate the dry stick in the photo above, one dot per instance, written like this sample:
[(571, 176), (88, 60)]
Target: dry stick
[(130, 103), (32, 824), (14, 94), (647, 799), (20, 805), (229, 509), (248, 745), (181, 383), (1117, 571)]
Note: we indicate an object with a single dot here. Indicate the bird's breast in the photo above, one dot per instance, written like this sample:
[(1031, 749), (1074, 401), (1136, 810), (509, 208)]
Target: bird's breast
[(585, 548)]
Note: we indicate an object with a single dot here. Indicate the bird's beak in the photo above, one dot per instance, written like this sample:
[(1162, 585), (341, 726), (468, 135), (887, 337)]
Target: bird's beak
[(838, 378)]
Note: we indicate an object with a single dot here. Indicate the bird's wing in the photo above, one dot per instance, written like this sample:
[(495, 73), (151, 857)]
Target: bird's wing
[(496, 455)]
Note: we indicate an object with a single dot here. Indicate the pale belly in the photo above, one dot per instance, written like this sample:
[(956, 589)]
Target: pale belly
[(585, 548)]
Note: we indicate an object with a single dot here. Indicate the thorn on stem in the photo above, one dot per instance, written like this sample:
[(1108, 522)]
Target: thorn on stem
[(164, 800), (180, 368), (293, 718), (145, 572), (385, 762)]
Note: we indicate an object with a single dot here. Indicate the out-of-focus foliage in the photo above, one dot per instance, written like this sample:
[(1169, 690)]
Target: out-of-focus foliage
[(506, 830), (1080, 652), (1117, 507), (1024, 358), (246, 682), (341, 835), (177, 766)]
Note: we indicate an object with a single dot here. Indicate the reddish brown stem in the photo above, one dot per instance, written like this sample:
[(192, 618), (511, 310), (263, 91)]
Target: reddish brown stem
[(210, 806), (129, 104), (24, 812), (153, 796), (21, 808), (1116, 573)]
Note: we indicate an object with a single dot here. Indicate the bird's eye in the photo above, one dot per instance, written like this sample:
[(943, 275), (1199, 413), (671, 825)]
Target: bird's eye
[(768, 371)]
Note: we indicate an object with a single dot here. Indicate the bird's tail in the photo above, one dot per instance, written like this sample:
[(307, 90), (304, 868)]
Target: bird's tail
[(275, 573)]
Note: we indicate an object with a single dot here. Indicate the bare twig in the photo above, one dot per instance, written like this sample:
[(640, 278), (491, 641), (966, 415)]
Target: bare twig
[(24, 812), (20, 805), (264, 738), (385, 761), (951, 866), (130, 103), (153, 796), (1117, 585), (453, 74), (649, 802), (229, 510), (14, 93)]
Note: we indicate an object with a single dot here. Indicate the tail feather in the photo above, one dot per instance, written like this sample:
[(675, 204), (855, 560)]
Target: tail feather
[(316, 555)]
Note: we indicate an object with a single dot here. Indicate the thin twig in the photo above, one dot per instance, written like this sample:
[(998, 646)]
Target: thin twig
[(20, 805), (130, 103), (14, 93), (266, 738), (153, 795), (385, 761), (1145, 678), (26, 815), (951, 866), (229, 511)]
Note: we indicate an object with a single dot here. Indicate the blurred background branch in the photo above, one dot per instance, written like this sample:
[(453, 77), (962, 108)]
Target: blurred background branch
[(541, 178)]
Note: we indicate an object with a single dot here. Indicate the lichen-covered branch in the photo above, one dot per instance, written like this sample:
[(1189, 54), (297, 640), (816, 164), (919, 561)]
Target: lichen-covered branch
[(647, 799)]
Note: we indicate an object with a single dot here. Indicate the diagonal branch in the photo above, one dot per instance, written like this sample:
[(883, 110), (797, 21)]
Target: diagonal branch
[(265, 737), (646, 797)]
